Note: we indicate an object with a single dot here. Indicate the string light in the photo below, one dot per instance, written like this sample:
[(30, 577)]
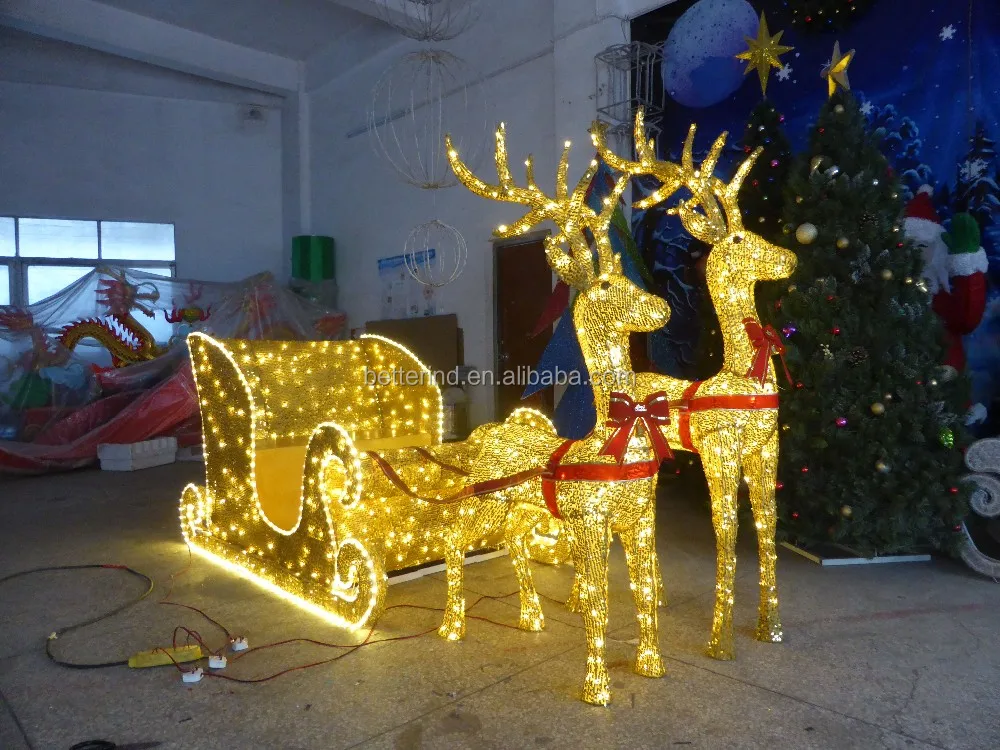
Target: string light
[(737, 426), (608, 307), (292, 498)]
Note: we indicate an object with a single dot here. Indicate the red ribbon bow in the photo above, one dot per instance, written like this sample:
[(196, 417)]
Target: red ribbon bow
[(623, 413), (766, 343)]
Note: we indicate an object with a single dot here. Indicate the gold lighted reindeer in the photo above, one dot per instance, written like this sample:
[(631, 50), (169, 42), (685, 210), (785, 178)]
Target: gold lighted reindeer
[(730, 419), (602, 484)]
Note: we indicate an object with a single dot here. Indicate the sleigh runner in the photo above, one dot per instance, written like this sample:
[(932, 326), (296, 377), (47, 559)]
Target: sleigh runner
[(297, 442)]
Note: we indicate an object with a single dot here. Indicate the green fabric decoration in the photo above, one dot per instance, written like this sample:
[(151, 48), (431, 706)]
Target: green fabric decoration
[(963, 237)]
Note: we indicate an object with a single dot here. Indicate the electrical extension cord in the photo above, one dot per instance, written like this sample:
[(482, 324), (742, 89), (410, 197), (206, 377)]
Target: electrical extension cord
[(161, 657), (194, 675)]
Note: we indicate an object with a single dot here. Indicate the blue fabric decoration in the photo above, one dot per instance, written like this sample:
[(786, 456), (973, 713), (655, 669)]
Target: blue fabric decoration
[(575, 414), (562, 355)]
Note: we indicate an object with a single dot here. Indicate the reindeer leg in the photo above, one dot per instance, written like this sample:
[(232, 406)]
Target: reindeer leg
[(661, 597), (574, 603), (761, 470), (519, 524), (591, 545), (640, 557), (720, 455), (453, 625)]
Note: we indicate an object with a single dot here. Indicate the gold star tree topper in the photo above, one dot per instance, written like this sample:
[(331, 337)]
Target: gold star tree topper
[(836, 72), (763, 53)]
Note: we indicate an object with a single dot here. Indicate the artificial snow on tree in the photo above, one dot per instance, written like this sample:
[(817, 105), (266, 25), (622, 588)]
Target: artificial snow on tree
[(871, 433)]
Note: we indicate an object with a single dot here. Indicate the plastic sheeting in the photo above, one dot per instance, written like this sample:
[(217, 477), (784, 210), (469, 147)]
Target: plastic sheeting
[(58, 404)]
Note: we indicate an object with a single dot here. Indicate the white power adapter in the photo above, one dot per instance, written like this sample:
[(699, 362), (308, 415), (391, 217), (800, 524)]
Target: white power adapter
[(217, 662), (194, 675), (240, 643)]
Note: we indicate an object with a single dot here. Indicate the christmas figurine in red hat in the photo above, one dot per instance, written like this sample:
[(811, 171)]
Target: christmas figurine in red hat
[(954, 270)]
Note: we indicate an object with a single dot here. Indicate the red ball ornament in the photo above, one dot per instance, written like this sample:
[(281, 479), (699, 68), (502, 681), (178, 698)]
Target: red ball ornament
[(841, 421), (831, 297), (800, 384), (805, 469), (795, 515), (899, 244), (953, 490), (755, 183), (920, 382), (956, 528), (777, 305), (747, 149), (779, 485), (835, 331)]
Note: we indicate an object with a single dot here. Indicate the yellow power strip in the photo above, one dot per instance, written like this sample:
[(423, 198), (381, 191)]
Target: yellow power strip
[(160, 657)]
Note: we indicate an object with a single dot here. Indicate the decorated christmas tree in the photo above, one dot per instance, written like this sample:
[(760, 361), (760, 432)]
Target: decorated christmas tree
[(871, 434), (761, 195), (818, 15)]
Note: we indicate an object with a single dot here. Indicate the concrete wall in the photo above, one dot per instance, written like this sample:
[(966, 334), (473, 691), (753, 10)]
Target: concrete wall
[(87, 135), (359, 200)]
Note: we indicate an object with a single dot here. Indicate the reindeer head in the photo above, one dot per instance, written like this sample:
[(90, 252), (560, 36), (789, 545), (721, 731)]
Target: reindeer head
[(711, 214), (605, 293)]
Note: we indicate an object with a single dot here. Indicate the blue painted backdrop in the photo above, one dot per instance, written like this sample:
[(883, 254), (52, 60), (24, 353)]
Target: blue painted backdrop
[(925, 75)]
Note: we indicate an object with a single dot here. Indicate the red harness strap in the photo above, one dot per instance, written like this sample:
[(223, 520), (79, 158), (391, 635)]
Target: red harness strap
[(689, 404), (472, 490), (684, 417), (588, 473)]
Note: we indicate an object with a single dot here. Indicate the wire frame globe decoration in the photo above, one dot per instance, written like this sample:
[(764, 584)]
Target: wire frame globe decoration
[(419, 98), (429, 20), (435, 253)]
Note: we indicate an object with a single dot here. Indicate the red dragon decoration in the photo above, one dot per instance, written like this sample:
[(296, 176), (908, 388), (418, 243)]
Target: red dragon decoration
[(118, 332)]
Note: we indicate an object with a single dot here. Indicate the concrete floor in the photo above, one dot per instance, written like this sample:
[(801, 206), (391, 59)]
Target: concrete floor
[(889, 656)]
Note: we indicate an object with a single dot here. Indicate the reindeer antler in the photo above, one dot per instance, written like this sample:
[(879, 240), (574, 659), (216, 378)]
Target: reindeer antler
[(719, 214), (567, 210)]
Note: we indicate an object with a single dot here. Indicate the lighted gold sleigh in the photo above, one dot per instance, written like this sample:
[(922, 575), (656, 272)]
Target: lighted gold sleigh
[(292, 496)]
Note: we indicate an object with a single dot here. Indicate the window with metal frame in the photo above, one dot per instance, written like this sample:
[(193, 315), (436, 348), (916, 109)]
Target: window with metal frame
[(39, 256)]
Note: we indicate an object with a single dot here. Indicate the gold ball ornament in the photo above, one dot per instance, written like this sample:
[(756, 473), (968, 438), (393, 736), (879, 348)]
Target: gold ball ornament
[(806, 234), (882, 467), (887, 274), (839, 109), (878, 409), (846, 511)]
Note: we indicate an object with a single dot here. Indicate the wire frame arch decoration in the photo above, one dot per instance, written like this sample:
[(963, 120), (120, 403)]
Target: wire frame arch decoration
[(435, 253), (419, 98), (429, 20)]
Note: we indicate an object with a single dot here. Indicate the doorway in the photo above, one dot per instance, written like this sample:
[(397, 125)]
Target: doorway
[(522, 288)]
